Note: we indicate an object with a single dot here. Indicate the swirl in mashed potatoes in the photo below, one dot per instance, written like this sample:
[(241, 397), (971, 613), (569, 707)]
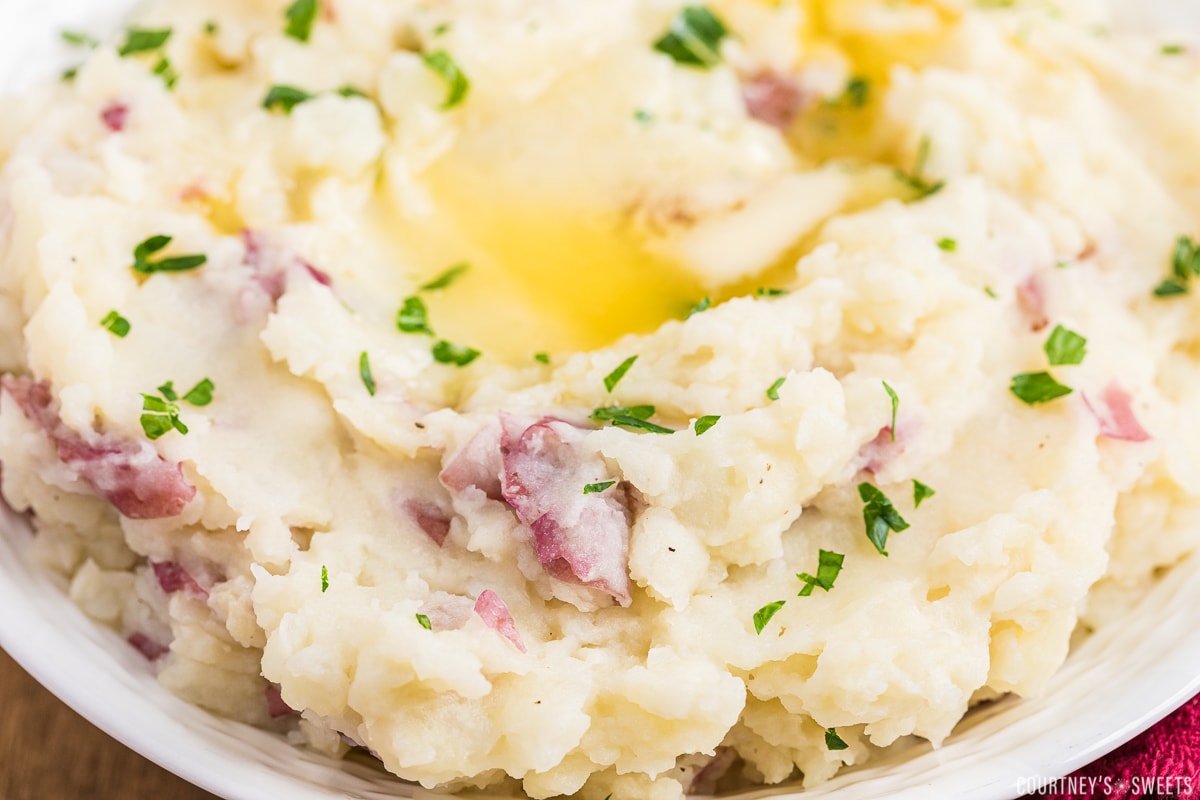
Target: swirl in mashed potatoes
[(604, 397)]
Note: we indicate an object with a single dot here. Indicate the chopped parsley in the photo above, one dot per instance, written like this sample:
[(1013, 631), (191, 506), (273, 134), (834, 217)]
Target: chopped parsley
[(1173, 49), (596, 488), (1170, 287), (69, 74), (300, 17), (441, 29), (160, 416), (829, 564), (833, 741), (79, 39), (694, 38), (446, 278), (1037, 387), (768, 291), (324, 579), (764, 614), (1185, 264), (140, 40), (164, 70), (413, 317), (634, 417), (199, 395), (456, 81), (880, 516), (773, 389), (423, 621), (285, 98), (364, 372), (212, 28), (167, 390), (948, 244), (704, 305), (895, 398), (143, 253), (921, 493), (541, 358), (1065, 347), (990, 292), (115, 324), (352, 91), (705, 423), (643, 116), (448, 353), (856, 94), (613, 378)]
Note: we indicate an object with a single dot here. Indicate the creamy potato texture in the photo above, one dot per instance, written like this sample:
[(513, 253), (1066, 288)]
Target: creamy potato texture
[(584, 398)]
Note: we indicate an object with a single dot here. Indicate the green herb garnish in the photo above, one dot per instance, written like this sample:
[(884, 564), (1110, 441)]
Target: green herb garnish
[(423, 621), (767, 291), (300, 18), (1065, 347), (643, 116), (856, 94), (1170, 287), (138, 40), (1173, 49), (1185, 264), (915, 179), (833, 741), (764, 614), (694, 38), (164, 70), (79, 39), (948, 244), (456, 81), (829, 564), (880, 516), (596, 488), (285, 98), (324, 579), (609, 413), (1037, 387), (703, 305), (705, 423), (211, 27), (773, 390), (613, 378), (352, 91), (115, 324), (895, 398), (448, 353), (921, 493), (160, 416), (200, 395), (364, 372), (446, 278), (413, 317), (541, 358), (143, 265), (640, 425), (167, 390)]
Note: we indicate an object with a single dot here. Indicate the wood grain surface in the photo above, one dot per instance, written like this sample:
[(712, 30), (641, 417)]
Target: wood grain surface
[(48, 752)]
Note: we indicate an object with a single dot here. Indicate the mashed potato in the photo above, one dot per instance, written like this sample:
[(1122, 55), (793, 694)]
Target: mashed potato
[(605, 398)]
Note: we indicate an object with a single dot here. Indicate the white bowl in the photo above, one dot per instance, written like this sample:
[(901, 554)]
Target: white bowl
[(1114, 686)]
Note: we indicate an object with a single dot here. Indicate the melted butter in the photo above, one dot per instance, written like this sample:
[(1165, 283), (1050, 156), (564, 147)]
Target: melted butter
[(543, 277)]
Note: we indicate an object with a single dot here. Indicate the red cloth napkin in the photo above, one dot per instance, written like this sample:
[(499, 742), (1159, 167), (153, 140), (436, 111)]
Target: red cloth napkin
[(1162, 763)]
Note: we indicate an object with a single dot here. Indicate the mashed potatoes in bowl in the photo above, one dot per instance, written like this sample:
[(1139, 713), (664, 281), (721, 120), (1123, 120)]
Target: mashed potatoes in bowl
[(633, 398)]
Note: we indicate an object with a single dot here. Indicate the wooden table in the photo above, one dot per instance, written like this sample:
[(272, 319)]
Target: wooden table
[(48, 752)]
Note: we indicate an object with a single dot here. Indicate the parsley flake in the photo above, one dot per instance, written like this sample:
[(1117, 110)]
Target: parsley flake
[(694, 38), (1173, 49), (613, 378), (1037, 387), (159, 417), (139, 40), (413, 317), (212, 27), (364, 372), (1065, 347), (285, 98), (596, 488), (1185, 264), (643, 116), (324, 579), (833, 741), (300, 17), (167, 390), (423, 621), (634, 417), (164, 70), (948, 244), (446, 278), (78, 39), (703, 305), (352, 91), (115, 324), (1169, 288), (541, 358), (880, 516), (856, 94), (705, 423), (143, 265), (916, 179), (773, 390), (768, 291), (895, 398), (201, 394), (448, 353), (764, 614), (829, 564), (456, 81), (921, 493)]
